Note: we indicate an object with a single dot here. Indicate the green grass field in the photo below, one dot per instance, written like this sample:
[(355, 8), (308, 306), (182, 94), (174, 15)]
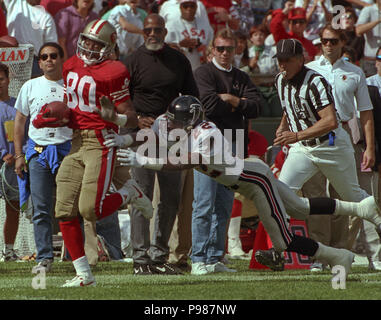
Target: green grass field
[(116, 282)]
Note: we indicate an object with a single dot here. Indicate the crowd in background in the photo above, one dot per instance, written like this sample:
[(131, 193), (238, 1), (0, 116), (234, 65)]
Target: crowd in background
[(191, 26)]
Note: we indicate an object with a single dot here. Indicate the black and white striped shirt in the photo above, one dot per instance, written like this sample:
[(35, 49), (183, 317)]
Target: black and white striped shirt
[(303, 97)]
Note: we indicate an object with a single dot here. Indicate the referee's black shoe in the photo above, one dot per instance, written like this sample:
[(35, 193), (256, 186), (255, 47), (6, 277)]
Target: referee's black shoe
[(270, 258)]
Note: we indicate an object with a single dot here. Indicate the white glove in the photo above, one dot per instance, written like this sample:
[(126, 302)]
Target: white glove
[(130, 158), (114, 140)]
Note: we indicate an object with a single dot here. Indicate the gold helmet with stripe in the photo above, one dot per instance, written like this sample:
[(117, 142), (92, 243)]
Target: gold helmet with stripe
[(104, 35)]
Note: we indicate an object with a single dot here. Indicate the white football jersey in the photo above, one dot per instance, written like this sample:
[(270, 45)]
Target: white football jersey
[(205, 140)]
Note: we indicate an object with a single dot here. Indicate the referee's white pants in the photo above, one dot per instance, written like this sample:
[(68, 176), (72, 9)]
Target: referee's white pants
[(337, 165)]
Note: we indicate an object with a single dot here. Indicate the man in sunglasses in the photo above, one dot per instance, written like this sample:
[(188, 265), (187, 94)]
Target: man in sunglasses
[(297, 23), (159, 74), (42, 145), (230, 100)]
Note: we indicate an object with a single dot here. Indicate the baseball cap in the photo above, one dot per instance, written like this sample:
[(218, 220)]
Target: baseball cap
[(297, 13), (287, 48)]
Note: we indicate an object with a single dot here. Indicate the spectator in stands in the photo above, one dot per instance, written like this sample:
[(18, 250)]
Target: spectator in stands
[(28, 23), (297, 25), (71, 21), (221, 14), (245, 14), (260, 9), (350, 98), (266, 22), (241, 57), (170, 10), (7, 151), (375, 80), (230, 99), (348, 21), (262, 69), (190, 34), (46, 147), (369, 25), (318, 15), (53, 6), (128, 24)]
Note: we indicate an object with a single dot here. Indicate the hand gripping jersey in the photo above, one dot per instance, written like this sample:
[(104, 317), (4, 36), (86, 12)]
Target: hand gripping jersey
[(85, 85)]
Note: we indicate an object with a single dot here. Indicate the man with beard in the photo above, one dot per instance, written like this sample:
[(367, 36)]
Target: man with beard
[(159, 74)]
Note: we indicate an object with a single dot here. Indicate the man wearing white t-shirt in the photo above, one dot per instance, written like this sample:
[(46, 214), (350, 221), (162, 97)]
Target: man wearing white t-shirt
[(170, 10), (46, 147), (190, 34), (369, 25), (28, 22)]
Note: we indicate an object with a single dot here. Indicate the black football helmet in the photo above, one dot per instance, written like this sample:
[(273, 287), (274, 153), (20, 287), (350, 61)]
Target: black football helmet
[(185, 112)]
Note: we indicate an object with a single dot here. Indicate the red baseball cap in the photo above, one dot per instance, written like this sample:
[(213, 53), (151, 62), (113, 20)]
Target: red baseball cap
[(297, 13)]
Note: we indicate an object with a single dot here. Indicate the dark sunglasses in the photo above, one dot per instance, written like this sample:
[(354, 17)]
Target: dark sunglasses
[(378, 58), (188, 5), (148, 31), (300, 21), (333, 41), (45, 56), (221, 49)]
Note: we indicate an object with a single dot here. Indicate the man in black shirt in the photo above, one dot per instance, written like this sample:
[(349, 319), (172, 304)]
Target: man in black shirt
[(230, 99), (158, 75)]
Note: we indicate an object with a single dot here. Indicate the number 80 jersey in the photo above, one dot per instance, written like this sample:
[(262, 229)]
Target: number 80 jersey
[(85, 85)]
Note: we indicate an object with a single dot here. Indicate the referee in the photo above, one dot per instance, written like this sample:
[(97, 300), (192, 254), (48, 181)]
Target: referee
[(311, 126)]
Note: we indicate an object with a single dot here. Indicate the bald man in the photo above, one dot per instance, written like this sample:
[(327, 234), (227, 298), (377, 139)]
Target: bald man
[(159, 74)]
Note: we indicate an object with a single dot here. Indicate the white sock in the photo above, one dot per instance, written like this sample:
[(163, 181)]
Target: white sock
[(82, 267), (345, 208)]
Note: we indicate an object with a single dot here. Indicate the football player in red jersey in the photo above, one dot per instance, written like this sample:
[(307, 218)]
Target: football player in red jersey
[(92, 79)]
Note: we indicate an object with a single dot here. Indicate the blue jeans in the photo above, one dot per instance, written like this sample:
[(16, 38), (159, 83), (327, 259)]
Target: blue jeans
[(42, 188), (108, 228), (212, 206)]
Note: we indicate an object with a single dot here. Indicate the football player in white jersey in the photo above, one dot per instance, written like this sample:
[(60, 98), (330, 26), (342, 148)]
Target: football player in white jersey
[(207, 150)]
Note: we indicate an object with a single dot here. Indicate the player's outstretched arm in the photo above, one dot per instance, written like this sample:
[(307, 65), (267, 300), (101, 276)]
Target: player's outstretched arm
[(130, 158)]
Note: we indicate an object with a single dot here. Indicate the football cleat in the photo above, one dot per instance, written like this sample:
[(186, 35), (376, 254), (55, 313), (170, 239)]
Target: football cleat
[(166, 269), (80, 281), (271, 259)]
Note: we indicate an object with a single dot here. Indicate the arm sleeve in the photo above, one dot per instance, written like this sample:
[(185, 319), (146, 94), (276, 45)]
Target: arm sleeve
[(22, 102), (51, 31), (362, 95), (320, 93), (364, 16), (251, 106), (119, 88), (276, 26), (61, 20), (189, 85)]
